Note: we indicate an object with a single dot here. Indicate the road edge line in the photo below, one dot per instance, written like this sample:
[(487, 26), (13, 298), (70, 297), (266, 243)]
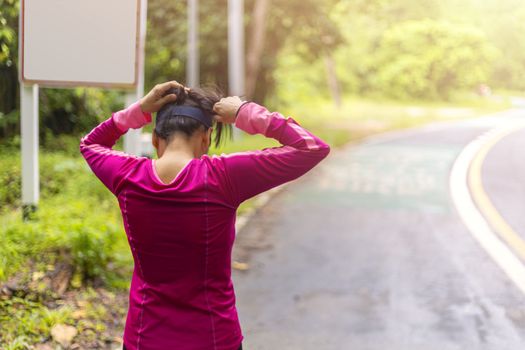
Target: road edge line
[(474, 220), (482, 199)]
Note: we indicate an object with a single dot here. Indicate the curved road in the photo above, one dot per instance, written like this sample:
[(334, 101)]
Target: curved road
[(504, 179), (368, 252)]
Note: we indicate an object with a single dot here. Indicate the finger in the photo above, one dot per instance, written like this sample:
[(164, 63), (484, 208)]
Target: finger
[(167, 99), (175, 83), (218, 118), (217, 107), (162, 88)]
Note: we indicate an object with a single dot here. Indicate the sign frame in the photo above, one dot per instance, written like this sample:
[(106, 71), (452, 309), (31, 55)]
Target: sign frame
[(71, 83)]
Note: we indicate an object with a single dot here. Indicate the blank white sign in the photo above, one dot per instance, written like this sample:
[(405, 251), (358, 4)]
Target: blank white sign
[(80, 42)]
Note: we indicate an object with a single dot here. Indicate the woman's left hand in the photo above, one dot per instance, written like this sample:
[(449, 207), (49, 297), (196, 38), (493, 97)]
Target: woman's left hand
[(156, 98)]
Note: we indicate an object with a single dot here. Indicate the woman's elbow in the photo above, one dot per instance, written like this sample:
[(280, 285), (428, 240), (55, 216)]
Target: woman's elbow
[(81, 145), (324, 149)]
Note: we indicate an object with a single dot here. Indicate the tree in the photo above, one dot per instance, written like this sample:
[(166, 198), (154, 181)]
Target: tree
[(8, 67), (429, 59), (256, 45)]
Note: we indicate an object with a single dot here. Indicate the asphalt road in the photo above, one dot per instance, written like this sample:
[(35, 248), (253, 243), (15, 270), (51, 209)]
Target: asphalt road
[(368, 252), (504, 179)]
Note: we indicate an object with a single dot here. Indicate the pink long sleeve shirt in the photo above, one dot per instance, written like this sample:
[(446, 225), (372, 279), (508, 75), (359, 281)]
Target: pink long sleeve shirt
[(181, 233)]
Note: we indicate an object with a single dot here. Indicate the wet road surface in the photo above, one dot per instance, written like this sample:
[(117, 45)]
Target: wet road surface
[(367, 251)]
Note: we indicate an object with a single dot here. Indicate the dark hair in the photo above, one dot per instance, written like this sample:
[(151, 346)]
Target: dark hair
[(203, 98)]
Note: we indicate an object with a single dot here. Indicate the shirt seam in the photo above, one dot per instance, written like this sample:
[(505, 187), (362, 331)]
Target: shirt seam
[(126, 176), (206, 258), (224, 170), (140, 268)]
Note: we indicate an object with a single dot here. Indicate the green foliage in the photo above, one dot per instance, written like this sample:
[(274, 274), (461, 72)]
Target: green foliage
[(356, 32), (8, 35), (73, 111), (70, 111), (504, 24), (166, 46), (298, 83), (10, 180), (94, 239), (97, 314), (59, 174), (8, 60), (9, 125), (430, 60), (66, 223), (393, 49), (24, 322)]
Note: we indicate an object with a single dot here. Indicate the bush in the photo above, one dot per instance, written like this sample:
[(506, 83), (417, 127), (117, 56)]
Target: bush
[(66, 227), (431, 60), (59, 173), (77, 218), (10, 178)]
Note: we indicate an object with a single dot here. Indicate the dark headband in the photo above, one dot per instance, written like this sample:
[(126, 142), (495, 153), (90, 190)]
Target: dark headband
[(187, 111)]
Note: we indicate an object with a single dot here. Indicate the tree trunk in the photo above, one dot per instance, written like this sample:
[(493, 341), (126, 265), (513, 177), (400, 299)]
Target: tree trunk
[(256, 45), (333, 82)]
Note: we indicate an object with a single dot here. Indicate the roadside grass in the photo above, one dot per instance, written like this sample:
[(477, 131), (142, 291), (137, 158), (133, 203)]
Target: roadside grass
[(363, 117), (78, 232)]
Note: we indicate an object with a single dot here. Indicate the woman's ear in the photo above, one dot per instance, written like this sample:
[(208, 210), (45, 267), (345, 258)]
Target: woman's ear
[(155, 139), (210, 132), (207, 139)]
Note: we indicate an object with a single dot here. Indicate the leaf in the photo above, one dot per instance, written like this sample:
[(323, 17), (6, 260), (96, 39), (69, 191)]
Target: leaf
[(240, 266), (63, 334)]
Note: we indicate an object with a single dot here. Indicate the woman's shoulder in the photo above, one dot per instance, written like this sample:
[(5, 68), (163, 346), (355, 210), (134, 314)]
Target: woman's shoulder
[(213, 160)]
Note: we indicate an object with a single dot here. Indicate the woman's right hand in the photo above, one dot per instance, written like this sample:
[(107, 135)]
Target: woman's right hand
[(157, 97), (227, 108)]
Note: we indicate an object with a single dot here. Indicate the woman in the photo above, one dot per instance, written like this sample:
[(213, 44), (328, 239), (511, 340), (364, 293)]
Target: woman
[(179, 210)]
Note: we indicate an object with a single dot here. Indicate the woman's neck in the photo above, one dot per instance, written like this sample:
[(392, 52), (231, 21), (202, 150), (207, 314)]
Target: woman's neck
[(180, 149)]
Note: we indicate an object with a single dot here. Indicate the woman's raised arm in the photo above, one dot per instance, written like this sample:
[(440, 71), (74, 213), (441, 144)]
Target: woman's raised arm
[(112, 166), (253, 172)]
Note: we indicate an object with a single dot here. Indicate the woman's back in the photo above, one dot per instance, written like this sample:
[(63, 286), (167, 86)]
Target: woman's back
[(181, 234)]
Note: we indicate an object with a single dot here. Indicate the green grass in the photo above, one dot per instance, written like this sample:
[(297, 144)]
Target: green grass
[(25, 322), (366, 116)]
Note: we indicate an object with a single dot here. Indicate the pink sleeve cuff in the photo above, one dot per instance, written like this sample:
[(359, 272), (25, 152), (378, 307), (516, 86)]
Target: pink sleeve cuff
[(252, 118), (132, 117)]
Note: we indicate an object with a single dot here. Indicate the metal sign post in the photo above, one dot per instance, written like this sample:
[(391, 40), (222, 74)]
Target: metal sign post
[(29, 145), (133, 139)]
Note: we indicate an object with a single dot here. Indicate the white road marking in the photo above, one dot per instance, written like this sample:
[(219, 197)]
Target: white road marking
[(472, 217)]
